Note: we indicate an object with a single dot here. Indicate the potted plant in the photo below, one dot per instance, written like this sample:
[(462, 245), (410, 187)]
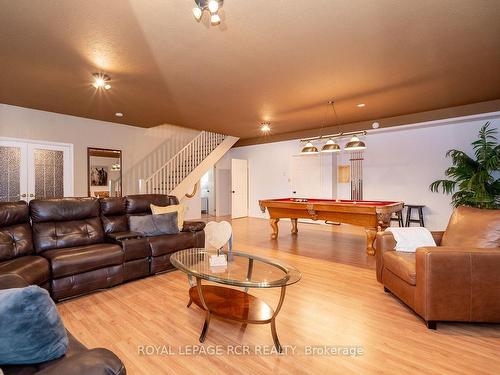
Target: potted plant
[(474, 182)]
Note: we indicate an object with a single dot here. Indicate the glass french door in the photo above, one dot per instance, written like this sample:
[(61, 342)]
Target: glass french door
[(30, 170)]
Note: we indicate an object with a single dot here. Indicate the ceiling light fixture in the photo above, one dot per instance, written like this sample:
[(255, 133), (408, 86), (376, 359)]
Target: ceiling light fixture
[(309, 149), (211, 6), (355, 144), (101, 81), (265, 127)]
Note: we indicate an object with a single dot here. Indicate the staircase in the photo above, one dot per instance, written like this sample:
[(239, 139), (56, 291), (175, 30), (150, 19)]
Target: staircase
[(183, 171)]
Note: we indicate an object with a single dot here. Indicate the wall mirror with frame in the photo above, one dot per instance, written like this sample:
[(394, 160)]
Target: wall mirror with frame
[(104, 172)]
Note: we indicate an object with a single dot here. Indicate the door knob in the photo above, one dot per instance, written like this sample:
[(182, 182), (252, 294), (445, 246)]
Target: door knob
[(32, 195), (233, 192), (23, 195)]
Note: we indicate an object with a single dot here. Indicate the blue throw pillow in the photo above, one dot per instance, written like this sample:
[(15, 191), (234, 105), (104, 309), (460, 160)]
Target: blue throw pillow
[(31, 330), (154, 225)]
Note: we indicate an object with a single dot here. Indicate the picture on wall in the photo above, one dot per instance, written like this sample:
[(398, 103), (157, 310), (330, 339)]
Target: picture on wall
[(99, 176)]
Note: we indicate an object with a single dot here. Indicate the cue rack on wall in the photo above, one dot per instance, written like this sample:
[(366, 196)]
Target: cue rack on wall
[(356, 175)]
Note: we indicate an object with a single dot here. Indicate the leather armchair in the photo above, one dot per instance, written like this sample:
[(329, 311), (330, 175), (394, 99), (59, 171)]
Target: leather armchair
[(77, 360), (459, 280)]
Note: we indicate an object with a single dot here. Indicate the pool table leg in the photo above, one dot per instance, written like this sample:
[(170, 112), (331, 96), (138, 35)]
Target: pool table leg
[(370, 238), (274, 225), (294, 226)]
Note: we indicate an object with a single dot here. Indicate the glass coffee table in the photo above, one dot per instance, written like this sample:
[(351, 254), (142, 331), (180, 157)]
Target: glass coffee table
[(242, 270)]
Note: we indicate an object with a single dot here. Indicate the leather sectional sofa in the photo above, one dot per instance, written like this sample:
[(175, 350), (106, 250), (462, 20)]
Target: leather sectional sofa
[(77, 245)]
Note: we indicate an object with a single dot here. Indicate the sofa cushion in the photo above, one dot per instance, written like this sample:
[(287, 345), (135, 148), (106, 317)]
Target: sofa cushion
[(63, 209), (168, 243), (34, 270), (75, 260), (473, 228), (193, 226), (112, 224), (401, 264), (56, 235), (15, 240), (113, 206), (32, 330), (140, 204), (12, 213)]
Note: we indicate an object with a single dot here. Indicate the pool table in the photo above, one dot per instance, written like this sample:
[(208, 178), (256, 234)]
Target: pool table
[(372, 215)]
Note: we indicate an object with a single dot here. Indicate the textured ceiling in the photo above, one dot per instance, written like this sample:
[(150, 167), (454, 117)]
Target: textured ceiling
[(272, 60)]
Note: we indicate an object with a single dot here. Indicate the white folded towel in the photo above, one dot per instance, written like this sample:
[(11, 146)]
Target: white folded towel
[(409, 239)]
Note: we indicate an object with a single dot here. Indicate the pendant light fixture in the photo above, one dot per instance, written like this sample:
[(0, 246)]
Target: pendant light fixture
[(355, 144), (331, 145), (309, 149)]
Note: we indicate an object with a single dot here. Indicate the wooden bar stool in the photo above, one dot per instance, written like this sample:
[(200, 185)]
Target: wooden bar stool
[(419, 208), (398, 218)]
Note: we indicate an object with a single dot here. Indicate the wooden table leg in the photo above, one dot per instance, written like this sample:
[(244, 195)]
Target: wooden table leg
[(294, 226), (370, 238), (274, 225)]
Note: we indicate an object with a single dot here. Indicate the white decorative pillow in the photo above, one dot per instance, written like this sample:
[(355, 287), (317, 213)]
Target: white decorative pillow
[(179, 208), (409, 239)]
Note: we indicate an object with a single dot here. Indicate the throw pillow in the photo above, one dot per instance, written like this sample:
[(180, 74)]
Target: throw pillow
[(179, 208), (154, 225), (31, 328)]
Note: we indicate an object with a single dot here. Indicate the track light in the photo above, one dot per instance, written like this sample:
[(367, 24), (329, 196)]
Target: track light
[(211, 6), (197, 13), (214, 19)]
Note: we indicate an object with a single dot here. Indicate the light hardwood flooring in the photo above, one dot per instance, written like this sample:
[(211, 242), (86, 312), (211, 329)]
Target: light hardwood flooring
[(338, 302)]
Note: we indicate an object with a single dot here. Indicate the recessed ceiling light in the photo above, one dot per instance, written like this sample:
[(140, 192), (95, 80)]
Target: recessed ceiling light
[(119, 114), (265, 127), (361, 105)]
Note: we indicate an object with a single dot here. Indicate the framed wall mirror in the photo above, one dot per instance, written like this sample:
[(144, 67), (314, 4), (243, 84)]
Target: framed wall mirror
[(104, 172)]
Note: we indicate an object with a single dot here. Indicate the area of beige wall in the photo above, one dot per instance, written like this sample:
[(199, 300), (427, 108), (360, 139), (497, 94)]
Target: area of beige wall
[(136, 143)]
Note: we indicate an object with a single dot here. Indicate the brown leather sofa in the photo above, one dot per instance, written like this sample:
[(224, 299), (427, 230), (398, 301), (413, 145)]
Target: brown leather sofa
[(78, 245), (459, 280), (68, 233), (78, 360), (17, 254), (156, 250)]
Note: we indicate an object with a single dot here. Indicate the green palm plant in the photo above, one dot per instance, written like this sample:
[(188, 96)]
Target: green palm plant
[(472, 182)]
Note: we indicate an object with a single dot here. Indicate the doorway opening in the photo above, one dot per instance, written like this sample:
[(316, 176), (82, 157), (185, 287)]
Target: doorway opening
[(207, 194)]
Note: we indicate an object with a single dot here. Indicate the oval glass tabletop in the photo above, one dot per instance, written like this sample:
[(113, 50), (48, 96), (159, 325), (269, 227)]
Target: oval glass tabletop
[(242, 270)]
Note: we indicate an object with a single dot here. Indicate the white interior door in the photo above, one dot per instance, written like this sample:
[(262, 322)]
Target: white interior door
[(239, 188), (13, 171), (30, 170)]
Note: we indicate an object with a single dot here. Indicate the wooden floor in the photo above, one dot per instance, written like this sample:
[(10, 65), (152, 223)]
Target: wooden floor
[(338, 303)]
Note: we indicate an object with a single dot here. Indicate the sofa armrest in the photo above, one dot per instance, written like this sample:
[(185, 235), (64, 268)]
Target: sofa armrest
[(90, 362), (193, 226), (458, 283), (12, 280), (383, 242)]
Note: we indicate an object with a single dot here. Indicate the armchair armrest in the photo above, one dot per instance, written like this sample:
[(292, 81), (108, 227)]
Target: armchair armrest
[(383, 242), (193, 226), (95, 362), (458, 284)]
